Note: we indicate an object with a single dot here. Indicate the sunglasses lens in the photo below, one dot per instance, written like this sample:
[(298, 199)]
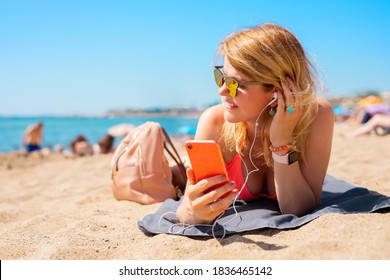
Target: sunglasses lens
[(218, 76), (232, 86)]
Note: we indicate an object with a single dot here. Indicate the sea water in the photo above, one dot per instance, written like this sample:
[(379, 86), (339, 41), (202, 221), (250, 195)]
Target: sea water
[(62, 130)]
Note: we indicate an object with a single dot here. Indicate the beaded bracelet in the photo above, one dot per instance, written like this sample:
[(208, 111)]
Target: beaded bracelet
[(288, 147)]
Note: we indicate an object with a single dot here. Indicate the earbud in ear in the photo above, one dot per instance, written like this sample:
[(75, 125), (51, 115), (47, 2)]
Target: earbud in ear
[(274, 98)]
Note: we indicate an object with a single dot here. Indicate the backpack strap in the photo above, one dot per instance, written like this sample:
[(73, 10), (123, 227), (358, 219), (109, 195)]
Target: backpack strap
[(176, 157)]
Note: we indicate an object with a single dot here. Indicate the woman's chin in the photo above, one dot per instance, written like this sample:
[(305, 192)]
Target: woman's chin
[(229, 117)]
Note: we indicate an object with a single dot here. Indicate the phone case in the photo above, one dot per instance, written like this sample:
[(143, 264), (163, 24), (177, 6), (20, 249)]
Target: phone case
[(206, 159)]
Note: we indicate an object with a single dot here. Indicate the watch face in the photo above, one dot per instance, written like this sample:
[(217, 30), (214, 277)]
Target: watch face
[(293, 157)]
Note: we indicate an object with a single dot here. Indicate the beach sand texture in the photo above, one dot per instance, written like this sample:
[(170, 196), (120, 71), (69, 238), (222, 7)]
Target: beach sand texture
[(63, 208)]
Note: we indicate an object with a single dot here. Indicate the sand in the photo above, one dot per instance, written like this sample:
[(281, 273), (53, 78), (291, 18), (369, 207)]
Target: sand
[(63, 208)]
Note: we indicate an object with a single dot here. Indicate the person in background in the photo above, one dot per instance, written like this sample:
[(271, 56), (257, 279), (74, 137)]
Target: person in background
[(379, 123), (373, 110), (32, 138), (80, 146), (105, 145), (273, 149)]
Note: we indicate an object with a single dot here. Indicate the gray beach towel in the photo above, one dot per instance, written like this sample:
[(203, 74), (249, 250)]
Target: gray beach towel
[(338, 197)]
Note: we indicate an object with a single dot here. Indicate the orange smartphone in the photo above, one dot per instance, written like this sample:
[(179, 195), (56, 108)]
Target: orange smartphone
[(206, 160)]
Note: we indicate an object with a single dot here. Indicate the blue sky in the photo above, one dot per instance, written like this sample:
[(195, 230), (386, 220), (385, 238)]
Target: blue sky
[(87, 57)]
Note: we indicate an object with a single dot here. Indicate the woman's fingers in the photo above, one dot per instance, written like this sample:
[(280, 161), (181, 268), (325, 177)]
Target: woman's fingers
[(203, 185), (219, 192), (288, 114), (217, 207), (218, 200), (211, 204), (190, 176), (209, 197), (289, 88)]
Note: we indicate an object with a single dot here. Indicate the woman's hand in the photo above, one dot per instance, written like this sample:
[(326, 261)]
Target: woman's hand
[(200, 206), (288, 113)]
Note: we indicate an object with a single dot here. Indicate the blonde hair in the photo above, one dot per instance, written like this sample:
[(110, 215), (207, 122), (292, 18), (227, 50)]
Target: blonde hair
[(268, 53)]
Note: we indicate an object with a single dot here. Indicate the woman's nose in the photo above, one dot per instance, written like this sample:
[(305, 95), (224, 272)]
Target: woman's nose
[(223, 91)]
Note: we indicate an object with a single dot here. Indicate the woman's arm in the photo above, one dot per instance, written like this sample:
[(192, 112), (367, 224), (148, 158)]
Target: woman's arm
[(299, 185), (198, 206)]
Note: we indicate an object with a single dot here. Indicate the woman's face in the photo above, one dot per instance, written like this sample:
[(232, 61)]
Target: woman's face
[(249, 101)]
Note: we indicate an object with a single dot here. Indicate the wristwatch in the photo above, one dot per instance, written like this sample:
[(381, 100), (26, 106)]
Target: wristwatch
[(288, 158)]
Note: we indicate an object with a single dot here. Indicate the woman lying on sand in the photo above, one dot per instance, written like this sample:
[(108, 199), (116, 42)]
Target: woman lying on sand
[(380, 124), (278, 149)]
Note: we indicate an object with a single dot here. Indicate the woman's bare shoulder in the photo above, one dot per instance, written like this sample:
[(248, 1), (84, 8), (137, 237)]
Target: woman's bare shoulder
[(325, 116), (212, 115), (210, 123), (324, 107)]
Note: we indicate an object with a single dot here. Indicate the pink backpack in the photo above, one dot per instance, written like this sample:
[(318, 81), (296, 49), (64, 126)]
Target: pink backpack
[(140, 169)]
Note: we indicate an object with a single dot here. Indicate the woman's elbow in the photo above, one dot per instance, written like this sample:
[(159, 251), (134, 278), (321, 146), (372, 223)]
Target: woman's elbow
[(300, 208)]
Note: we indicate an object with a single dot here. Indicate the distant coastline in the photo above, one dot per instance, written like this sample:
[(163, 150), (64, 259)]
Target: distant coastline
[(157, 112)]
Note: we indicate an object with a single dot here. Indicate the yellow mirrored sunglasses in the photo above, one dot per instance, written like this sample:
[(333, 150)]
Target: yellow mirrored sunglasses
[(231, 84)]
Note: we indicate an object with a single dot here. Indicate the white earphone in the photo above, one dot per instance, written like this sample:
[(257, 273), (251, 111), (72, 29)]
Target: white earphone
[(274, 98)]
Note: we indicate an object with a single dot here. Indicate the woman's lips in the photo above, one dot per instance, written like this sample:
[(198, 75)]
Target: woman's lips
[(230, 105)]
